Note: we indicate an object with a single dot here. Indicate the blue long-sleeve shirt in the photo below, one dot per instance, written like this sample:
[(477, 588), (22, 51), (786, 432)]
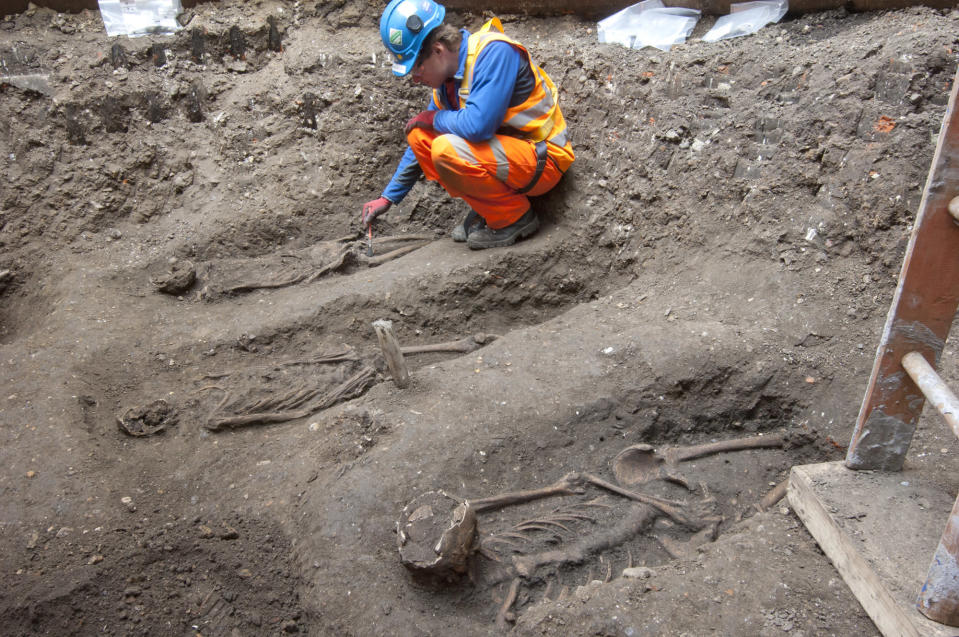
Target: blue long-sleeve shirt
[(501, 78)]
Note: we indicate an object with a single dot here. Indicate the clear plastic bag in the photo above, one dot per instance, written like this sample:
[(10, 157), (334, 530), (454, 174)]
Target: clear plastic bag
[(746, 18), (648, 23), (140, 17)]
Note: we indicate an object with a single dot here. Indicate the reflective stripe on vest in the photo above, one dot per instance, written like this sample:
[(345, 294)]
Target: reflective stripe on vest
[(536, 119)]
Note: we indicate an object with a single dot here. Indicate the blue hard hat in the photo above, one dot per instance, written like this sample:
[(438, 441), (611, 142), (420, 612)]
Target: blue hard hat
[(403, 27)]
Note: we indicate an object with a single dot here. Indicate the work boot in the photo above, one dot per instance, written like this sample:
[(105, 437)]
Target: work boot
[(471, 223), (486, 237)]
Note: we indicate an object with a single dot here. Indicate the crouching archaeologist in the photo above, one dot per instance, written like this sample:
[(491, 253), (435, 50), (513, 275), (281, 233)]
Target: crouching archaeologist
[(493, 134)]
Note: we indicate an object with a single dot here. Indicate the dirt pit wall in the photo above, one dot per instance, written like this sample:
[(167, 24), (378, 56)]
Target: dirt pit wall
[(589, 9)]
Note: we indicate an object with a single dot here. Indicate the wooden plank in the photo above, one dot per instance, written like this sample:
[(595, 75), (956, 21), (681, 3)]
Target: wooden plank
[(863, 582), (920, 316), (392, 352), (853, 518)]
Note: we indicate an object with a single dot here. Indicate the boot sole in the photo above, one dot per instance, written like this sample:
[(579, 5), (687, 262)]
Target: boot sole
[(524, 232)]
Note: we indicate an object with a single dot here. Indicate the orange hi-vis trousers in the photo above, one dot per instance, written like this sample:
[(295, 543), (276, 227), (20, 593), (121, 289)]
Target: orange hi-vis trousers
[(486, 175)]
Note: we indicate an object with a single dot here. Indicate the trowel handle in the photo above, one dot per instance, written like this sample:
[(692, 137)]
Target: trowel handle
[(678, 454)]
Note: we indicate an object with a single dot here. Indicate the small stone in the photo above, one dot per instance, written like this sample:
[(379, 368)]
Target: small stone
[(228, 533), (95, 559), (31, 473), (64, 531), (179, 279), (205, 531), (638, 572), (244, 573)]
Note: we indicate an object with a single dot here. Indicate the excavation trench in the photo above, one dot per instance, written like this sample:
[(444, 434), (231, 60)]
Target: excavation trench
[(715, 265), (255, 367), (557, 544)]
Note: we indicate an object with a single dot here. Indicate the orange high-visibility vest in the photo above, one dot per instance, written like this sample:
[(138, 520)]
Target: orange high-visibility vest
[(536, 119)]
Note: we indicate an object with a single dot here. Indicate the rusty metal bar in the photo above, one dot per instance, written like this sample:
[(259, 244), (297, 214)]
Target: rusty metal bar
[(939, 596), (920, 316), (935, 391)]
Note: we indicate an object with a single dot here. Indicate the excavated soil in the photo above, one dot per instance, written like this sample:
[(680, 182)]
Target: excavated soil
[(199, 435)]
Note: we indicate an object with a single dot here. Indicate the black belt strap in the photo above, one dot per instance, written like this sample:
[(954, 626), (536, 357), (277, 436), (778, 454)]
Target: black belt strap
[(541, 156)]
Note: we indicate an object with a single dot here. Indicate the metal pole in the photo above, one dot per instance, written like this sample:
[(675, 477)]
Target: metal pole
[(939, 597), (935, 391)]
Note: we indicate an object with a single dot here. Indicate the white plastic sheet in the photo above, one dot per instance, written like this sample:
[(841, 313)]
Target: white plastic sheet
[(746, 18), (648, 23), (140, 17)]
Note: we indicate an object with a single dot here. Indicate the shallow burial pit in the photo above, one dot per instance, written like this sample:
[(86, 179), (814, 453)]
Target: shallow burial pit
[(503, 291), (543, 540), (303, 361), (321, 348)]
